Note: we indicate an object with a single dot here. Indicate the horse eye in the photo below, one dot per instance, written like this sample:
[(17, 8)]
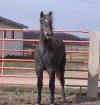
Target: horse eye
[(41, 22)]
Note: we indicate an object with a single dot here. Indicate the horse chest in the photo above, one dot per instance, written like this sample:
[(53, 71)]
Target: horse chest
[(50, 58)]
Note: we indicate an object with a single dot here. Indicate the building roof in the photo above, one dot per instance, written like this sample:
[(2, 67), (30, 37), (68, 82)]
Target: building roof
[(12, 22)]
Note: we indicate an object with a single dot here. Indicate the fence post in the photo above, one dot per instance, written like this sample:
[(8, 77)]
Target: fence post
[(93, 65)]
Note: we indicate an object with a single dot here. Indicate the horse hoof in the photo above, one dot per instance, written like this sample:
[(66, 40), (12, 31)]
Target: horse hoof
[(51, 104), (64, 99)]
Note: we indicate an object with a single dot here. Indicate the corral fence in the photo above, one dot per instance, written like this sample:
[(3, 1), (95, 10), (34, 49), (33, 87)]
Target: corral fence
[(15, 70)]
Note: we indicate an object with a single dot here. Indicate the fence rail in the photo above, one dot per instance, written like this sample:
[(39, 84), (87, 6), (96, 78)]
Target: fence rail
[(3, 60)]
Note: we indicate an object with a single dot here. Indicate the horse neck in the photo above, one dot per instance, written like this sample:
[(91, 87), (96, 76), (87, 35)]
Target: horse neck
[(41, 42)]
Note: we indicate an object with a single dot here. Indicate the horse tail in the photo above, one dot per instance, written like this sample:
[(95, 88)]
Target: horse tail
[(61, 70)]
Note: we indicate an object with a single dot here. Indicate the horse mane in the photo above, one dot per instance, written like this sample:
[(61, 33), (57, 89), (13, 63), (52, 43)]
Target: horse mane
[(51, 20)]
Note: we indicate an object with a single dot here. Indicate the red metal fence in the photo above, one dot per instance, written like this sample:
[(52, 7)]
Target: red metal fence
[(17, 79)]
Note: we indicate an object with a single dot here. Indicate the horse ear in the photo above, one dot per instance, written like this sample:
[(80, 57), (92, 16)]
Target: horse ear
[(41, 14), (50, 13)]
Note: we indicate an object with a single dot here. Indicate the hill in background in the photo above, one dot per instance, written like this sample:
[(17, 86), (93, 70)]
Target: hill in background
[(59, 36)]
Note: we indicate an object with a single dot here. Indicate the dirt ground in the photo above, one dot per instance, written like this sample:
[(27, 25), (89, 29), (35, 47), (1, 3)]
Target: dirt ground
[(12, 98)]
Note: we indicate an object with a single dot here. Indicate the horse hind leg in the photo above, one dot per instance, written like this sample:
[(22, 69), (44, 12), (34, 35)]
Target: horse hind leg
[(62, 81), (60, 76)]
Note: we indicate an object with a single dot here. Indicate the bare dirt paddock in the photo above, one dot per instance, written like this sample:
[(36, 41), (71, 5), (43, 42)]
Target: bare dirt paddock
[(14, 98)]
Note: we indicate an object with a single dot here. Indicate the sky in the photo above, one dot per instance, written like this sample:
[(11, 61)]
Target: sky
[(67, 14)]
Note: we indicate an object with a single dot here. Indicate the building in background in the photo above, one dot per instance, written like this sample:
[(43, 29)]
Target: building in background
[(9, 24)]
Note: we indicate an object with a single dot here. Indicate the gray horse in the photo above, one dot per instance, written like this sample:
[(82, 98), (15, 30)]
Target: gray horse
[(50, 56)]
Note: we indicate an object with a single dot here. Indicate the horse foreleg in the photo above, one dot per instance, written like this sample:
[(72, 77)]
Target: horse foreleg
[(52, 86), (39, 86)]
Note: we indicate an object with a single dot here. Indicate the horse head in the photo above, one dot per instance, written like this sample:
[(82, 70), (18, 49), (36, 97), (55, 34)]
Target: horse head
[(46, 24)]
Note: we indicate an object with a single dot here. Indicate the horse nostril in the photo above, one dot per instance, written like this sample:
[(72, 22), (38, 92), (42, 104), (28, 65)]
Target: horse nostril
[(48, 34)]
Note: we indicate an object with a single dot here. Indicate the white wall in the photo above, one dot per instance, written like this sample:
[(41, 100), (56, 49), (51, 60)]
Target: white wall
[(0, 43), (14, 45)]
